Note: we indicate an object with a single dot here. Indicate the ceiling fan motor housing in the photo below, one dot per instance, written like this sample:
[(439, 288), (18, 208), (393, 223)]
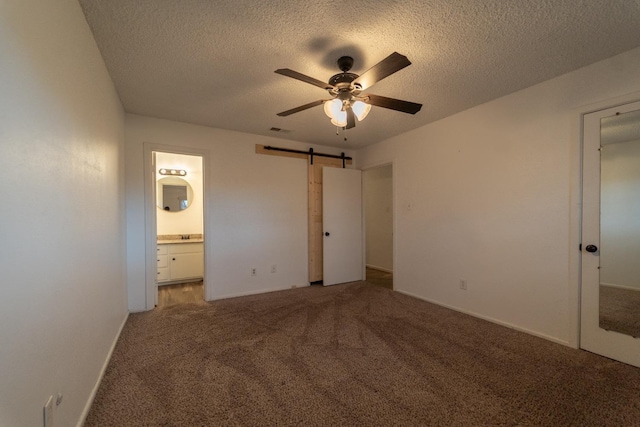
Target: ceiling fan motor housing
[(342, 78), (342, 81)]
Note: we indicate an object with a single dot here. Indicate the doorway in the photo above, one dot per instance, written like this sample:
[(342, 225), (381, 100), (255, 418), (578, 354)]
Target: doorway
[(377, 189), (179, 228), (610, 249), (175, 211)]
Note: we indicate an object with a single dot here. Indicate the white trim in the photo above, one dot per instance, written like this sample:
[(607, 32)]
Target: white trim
[(491, 319), (611, 285), (94, 391), (575, 229), (375, 267), (150, 228), (379, 164)]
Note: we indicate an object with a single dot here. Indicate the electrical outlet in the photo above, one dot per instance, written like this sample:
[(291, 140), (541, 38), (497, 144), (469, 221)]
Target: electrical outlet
[(463, 284), (48, 412), (274, 268), (253, 272)]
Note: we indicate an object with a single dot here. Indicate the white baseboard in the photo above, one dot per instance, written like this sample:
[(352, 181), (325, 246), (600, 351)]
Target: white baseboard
[(628, 288), (92, 396), (375, 267), (492, 320)]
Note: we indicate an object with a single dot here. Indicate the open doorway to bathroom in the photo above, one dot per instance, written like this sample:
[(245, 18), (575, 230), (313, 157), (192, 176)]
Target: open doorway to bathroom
[(179, 214), (377, 193)]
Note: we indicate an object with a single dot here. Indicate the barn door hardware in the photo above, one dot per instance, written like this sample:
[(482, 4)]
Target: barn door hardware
[(311, 154)]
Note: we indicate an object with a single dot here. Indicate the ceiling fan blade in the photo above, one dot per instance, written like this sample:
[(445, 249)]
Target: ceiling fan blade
[(392, 104), (303, 78), (351, 118), (302, 108), (386, 67)]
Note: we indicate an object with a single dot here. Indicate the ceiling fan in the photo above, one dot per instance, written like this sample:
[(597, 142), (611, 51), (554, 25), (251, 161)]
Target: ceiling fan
[(348, 101)]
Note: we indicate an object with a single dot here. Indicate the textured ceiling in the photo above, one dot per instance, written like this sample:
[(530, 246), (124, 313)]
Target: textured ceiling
[(212, 62)]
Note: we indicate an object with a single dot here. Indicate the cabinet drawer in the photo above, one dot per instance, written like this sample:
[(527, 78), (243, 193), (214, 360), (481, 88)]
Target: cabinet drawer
[(162, 249), (163, 274), (184, 248), (163, 260)]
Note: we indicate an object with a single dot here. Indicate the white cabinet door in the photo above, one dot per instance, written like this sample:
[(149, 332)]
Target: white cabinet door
[(342, 223), (185, 266)]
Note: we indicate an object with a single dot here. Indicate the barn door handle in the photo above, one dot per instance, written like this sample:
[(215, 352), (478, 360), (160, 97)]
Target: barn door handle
[(326, 233), (591, 248)]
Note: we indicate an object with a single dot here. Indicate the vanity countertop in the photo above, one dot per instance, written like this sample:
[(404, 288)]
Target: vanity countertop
[(174, 241)]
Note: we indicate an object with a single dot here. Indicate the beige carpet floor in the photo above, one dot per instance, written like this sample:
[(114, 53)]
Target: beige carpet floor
[(356, 355)]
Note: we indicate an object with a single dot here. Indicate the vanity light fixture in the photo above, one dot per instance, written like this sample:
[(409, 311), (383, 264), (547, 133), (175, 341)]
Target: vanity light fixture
[(173, 172)]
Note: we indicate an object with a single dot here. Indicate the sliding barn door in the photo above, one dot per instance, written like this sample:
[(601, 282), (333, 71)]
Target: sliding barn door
[(342, 223)]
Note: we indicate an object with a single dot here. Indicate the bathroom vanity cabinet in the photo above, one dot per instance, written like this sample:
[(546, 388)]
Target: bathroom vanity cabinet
[(180, 262)]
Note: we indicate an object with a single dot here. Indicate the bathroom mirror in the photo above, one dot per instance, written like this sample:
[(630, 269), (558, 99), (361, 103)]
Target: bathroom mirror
[(620, 223), (173, 194)]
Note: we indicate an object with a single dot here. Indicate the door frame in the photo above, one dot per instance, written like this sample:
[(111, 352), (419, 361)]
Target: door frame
[(150, 223), (575, 210), (612, 344), (394, 221)]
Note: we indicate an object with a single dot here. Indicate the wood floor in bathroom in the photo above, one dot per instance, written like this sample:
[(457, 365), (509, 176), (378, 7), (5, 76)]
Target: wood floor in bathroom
[(180, 293)]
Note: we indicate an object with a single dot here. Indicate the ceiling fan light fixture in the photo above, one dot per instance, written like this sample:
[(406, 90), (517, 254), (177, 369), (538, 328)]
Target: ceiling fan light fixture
[(339, 124), (333, 108), (361, 109)]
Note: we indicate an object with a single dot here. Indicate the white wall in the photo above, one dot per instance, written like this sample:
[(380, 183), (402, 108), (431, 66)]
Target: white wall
[(377, 195), (188, 221), (620, 215), (485, 195), (257, 208), (62, 254)]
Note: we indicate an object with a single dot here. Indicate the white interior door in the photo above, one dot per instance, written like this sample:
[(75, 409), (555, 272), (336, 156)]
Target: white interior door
[(610, 309), (342, 223)]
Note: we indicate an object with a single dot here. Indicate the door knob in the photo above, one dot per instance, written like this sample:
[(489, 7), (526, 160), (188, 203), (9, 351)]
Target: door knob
[(326, 233), (591, 248)]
